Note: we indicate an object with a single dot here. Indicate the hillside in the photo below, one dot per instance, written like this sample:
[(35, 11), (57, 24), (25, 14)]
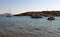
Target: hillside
[(42, 13)]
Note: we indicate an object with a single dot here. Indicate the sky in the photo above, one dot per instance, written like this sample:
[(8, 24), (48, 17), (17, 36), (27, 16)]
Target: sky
[(21, 6)]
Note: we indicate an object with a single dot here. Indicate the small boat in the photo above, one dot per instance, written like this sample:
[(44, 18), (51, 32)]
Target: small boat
[(51, 18), (36, 17), (9, 16)]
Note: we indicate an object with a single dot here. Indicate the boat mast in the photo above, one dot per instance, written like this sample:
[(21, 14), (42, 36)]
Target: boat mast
[(9, 10)]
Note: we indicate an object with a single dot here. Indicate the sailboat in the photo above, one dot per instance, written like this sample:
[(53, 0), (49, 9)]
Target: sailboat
[(8, 14)]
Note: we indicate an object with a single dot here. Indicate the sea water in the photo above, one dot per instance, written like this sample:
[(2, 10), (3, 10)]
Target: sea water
[(19, 23)]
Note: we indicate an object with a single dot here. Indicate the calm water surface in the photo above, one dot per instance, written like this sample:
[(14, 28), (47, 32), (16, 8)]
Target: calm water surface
[(27, 23)]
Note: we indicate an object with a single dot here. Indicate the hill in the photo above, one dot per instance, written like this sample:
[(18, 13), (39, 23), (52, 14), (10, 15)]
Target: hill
[(42, 13)]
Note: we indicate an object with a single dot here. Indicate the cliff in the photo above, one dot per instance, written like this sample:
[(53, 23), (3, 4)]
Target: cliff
[(42, 13)]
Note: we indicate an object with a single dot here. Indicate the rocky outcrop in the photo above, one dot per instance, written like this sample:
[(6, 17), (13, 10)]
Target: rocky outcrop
[(42, 13)]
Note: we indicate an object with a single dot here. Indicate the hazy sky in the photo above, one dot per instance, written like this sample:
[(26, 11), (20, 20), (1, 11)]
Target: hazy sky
[(19, 6)]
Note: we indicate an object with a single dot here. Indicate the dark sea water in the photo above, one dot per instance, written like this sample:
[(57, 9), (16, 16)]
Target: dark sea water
[(25, 23)]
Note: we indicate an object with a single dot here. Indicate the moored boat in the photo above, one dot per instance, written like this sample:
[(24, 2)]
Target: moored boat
[(51, 18), (36, 17)]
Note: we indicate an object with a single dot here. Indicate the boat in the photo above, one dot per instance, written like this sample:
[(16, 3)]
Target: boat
[(9, 14), (36, 17), (51, 18)]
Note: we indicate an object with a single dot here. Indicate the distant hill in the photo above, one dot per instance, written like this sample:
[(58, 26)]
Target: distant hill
[(42, 13), (6, 14)]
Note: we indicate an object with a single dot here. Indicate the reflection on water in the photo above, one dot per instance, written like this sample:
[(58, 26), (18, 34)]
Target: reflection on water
[(26, 23)]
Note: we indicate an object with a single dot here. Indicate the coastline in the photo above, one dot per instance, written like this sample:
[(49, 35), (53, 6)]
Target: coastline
[(38, 13)]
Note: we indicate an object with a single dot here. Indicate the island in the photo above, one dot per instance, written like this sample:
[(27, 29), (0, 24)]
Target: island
[(40, 13)]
